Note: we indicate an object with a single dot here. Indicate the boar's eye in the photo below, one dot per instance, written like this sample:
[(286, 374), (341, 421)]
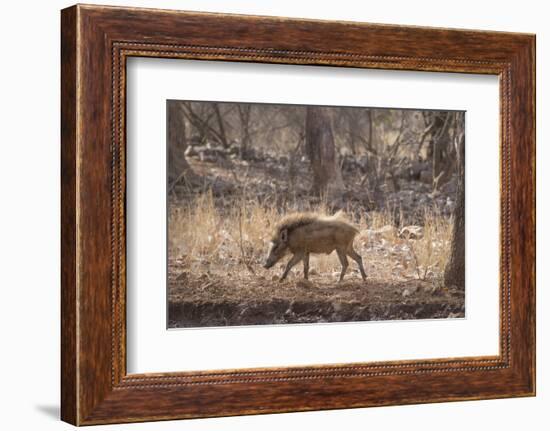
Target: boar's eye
[(284, 235)]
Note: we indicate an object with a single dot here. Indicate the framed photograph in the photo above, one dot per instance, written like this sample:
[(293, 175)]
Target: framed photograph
[(264, 214)]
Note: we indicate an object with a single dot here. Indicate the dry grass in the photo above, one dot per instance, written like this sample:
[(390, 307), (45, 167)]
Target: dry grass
[(432, 251), (207, 240)]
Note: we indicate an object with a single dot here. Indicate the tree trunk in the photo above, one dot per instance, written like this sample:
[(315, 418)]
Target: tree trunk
[(353, 127), (436, 146), (177, 164), (455, 269), (441, 154), (369, 113), (244, 116), (223, 136), (327, 177)]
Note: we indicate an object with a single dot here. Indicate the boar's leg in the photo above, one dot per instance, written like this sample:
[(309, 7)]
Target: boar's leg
[(306, 265), (356, 257), (344, 261), (293, 261)]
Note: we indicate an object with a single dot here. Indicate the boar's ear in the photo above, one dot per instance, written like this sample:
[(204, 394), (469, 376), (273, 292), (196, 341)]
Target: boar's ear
[(283, 235)]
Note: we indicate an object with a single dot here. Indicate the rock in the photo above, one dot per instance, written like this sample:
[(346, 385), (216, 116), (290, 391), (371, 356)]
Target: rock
[(406, 293), (411, 232)]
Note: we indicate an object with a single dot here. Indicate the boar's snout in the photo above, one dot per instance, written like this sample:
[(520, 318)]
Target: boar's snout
[(277, 250), (271, 258)]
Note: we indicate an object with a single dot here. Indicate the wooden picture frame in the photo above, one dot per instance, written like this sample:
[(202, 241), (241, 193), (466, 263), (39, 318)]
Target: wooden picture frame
[(95, 43)]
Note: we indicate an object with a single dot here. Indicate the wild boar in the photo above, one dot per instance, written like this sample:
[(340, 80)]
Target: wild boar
[(304, 233)]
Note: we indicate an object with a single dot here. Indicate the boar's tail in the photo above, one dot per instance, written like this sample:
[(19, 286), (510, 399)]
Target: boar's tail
[(341, 218)]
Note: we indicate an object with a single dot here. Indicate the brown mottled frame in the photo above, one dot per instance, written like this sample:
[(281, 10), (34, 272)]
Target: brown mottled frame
[(95, 43)]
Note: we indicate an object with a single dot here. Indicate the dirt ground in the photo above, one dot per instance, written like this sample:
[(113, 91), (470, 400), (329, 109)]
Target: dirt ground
[(216, 301)]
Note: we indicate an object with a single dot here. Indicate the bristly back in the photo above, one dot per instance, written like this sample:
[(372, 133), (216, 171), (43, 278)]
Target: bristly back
[(293, 221)]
